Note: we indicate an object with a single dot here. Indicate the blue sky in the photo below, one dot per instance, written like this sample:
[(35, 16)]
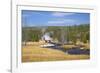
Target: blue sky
[(50, 18)]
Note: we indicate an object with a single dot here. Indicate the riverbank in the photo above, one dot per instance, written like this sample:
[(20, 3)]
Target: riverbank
[(34, 53)]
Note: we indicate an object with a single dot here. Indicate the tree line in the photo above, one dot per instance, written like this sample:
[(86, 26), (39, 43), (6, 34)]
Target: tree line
[(60, 33)]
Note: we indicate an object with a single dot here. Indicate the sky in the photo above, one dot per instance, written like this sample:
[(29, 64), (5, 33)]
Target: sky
[(50, 18)]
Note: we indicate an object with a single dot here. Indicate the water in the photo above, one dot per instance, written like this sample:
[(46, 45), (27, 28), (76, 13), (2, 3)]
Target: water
[(75, 50), (78, 51)]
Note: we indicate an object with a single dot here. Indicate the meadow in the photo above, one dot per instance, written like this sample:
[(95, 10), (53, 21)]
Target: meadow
[(34, 53)]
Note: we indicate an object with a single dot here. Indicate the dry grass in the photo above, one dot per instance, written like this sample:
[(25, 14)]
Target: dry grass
[(35, 53), (85, 46)]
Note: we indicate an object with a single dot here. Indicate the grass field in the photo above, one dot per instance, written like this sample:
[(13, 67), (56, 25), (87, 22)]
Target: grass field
[(34, 53)]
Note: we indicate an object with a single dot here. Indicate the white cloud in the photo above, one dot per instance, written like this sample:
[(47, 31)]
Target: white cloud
[(55, 22), (59, 14), (61, 21)]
